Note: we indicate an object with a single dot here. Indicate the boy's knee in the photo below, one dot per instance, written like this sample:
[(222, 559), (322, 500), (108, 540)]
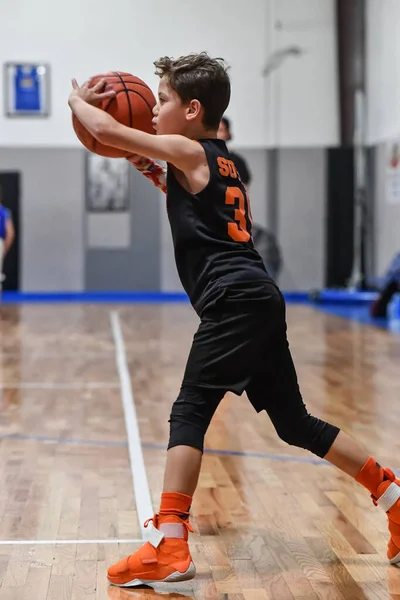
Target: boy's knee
[(190, 417), (309, 433)]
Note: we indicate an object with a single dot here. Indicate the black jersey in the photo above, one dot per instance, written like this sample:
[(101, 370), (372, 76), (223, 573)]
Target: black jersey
[(212, 233)]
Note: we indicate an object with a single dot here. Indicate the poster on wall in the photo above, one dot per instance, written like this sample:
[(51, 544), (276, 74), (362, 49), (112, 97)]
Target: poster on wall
[(393, 172), (108, 188), (27, 89)]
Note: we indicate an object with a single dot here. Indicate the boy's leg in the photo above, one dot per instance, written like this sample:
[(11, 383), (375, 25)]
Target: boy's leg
[(169, 559), (182, 470), (347, 455), (190, 417), (219, 360), (384, 487), (277, 392)]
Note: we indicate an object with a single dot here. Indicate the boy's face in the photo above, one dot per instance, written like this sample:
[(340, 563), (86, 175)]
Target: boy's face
[(169, 112)]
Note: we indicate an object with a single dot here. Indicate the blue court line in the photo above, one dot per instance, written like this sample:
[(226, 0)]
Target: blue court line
[(93, 297), (240, 453), (151, 296), (279, 457), (60, 440), (276, 457), (332, 296), (148, 297)]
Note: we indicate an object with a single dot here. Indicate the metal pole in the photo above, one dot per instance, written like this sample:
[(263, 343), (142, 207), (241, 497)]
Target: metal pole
[(351, 40), (357, 278)]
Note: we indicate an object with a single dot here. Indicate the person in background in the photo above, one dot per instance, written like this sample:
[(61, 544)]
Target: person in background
[(391, 286), (7, 235), (224, 133), (264, 241)]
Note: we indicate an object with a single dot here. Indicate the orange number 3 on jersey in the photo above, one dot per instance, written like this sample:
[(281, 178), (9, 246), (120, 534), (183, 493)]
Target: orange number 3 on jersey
[(237, 229)]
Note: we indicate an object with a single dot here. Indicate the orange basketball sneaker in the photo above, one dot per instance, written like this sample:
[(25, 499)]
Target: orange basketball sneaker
[(388, 498), (165, 558), (385, 492)]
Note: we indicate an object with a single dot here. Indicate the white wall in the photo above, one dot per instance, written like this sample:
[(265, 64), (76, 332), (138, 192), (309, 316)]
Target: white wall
[(302, 95), (81, 38), (386, 215), (302, 218), (297, 106), (383, 60), (383, 69)]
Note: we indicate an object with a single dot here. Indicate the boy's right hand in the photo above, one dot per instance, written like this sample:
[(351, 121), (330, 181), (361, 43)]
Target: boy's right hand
[(93, 95)]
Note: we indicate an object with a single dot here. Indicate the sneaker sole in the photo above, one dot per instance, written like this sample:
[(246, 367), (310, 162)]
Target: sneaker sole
[(173, 578)]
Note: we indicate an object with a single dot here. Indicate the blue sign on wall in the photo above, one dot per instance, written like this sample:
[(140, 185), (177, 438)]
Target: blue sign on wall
[(27, 89)]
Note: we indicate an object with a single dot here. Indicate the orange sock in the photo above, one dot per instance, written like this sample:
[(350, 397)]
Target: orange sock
[(174, 504), (371, 476)]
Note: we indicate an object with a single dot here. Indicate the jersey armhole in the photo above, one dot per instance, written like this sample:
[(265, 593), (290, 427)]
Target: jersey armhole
[(210, 168), (172, 170)]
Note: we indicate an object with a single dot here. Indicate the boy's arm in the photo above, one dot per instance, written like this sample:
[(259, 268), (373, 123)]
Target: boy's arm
[(185, 154), (150, 169)]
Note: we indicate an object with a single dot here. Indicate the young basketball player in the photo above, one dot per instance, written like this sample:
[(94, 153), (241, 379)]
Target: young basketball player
[(241, 343)]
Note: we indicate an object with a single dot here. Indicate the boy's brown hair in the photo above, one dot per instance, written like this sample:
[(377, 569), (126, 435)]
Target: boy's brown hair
[(199, 77)]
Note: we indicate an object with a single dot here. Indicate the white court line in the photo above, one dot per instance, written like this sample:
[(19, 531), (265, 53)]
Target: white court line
[(35, 355), (93, 385), (139, 476), (76, 356), (51, 542)]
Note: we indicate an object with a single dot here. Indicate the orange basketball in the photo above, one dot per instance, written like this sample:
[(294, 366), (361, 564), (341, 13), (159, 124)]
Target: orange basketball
[(132, 106)]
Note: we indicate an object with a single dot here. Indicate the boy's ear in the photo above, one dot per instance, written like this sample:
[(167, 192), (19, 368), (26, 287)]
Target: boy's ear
[(194, 109)]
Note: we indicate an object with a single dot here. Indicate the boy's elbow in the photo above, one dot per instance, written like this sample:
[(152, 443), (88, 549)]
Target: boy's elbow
[(103, 132), (100, 132)]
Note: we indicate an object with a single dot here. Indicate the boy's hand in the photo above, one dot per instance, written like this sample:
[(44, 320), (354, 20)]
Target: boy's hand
[(92, 95)]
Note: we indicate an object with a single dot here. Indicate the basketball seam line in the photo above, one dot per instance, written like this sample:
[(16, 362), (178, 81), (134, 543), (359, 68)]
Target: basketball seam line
[(129, 101), (133, 92), (116, 79)]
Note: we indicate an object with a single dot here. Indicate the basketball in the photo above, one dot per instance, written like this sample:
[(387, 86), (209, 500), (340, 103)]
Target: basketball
[(132, 106)]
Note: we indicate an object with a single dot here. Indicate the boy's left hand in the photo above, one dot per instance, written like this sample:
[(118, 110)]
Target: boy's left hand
[(92, 95)]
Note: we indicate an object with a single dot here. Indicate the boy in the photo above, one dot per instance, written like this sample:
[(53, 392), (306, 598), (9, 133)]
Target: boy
[(241, 342)]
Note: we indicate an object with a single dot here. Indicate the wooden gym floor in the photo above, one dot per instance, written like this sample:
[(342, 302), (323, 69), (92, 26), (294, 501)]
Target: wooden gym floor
[(272, 522)]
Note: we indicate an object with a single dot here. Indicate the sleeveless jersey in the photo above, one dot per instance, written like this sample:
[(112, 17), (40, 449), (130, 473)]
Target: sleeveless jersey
[(212, 232), (28, 89)]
